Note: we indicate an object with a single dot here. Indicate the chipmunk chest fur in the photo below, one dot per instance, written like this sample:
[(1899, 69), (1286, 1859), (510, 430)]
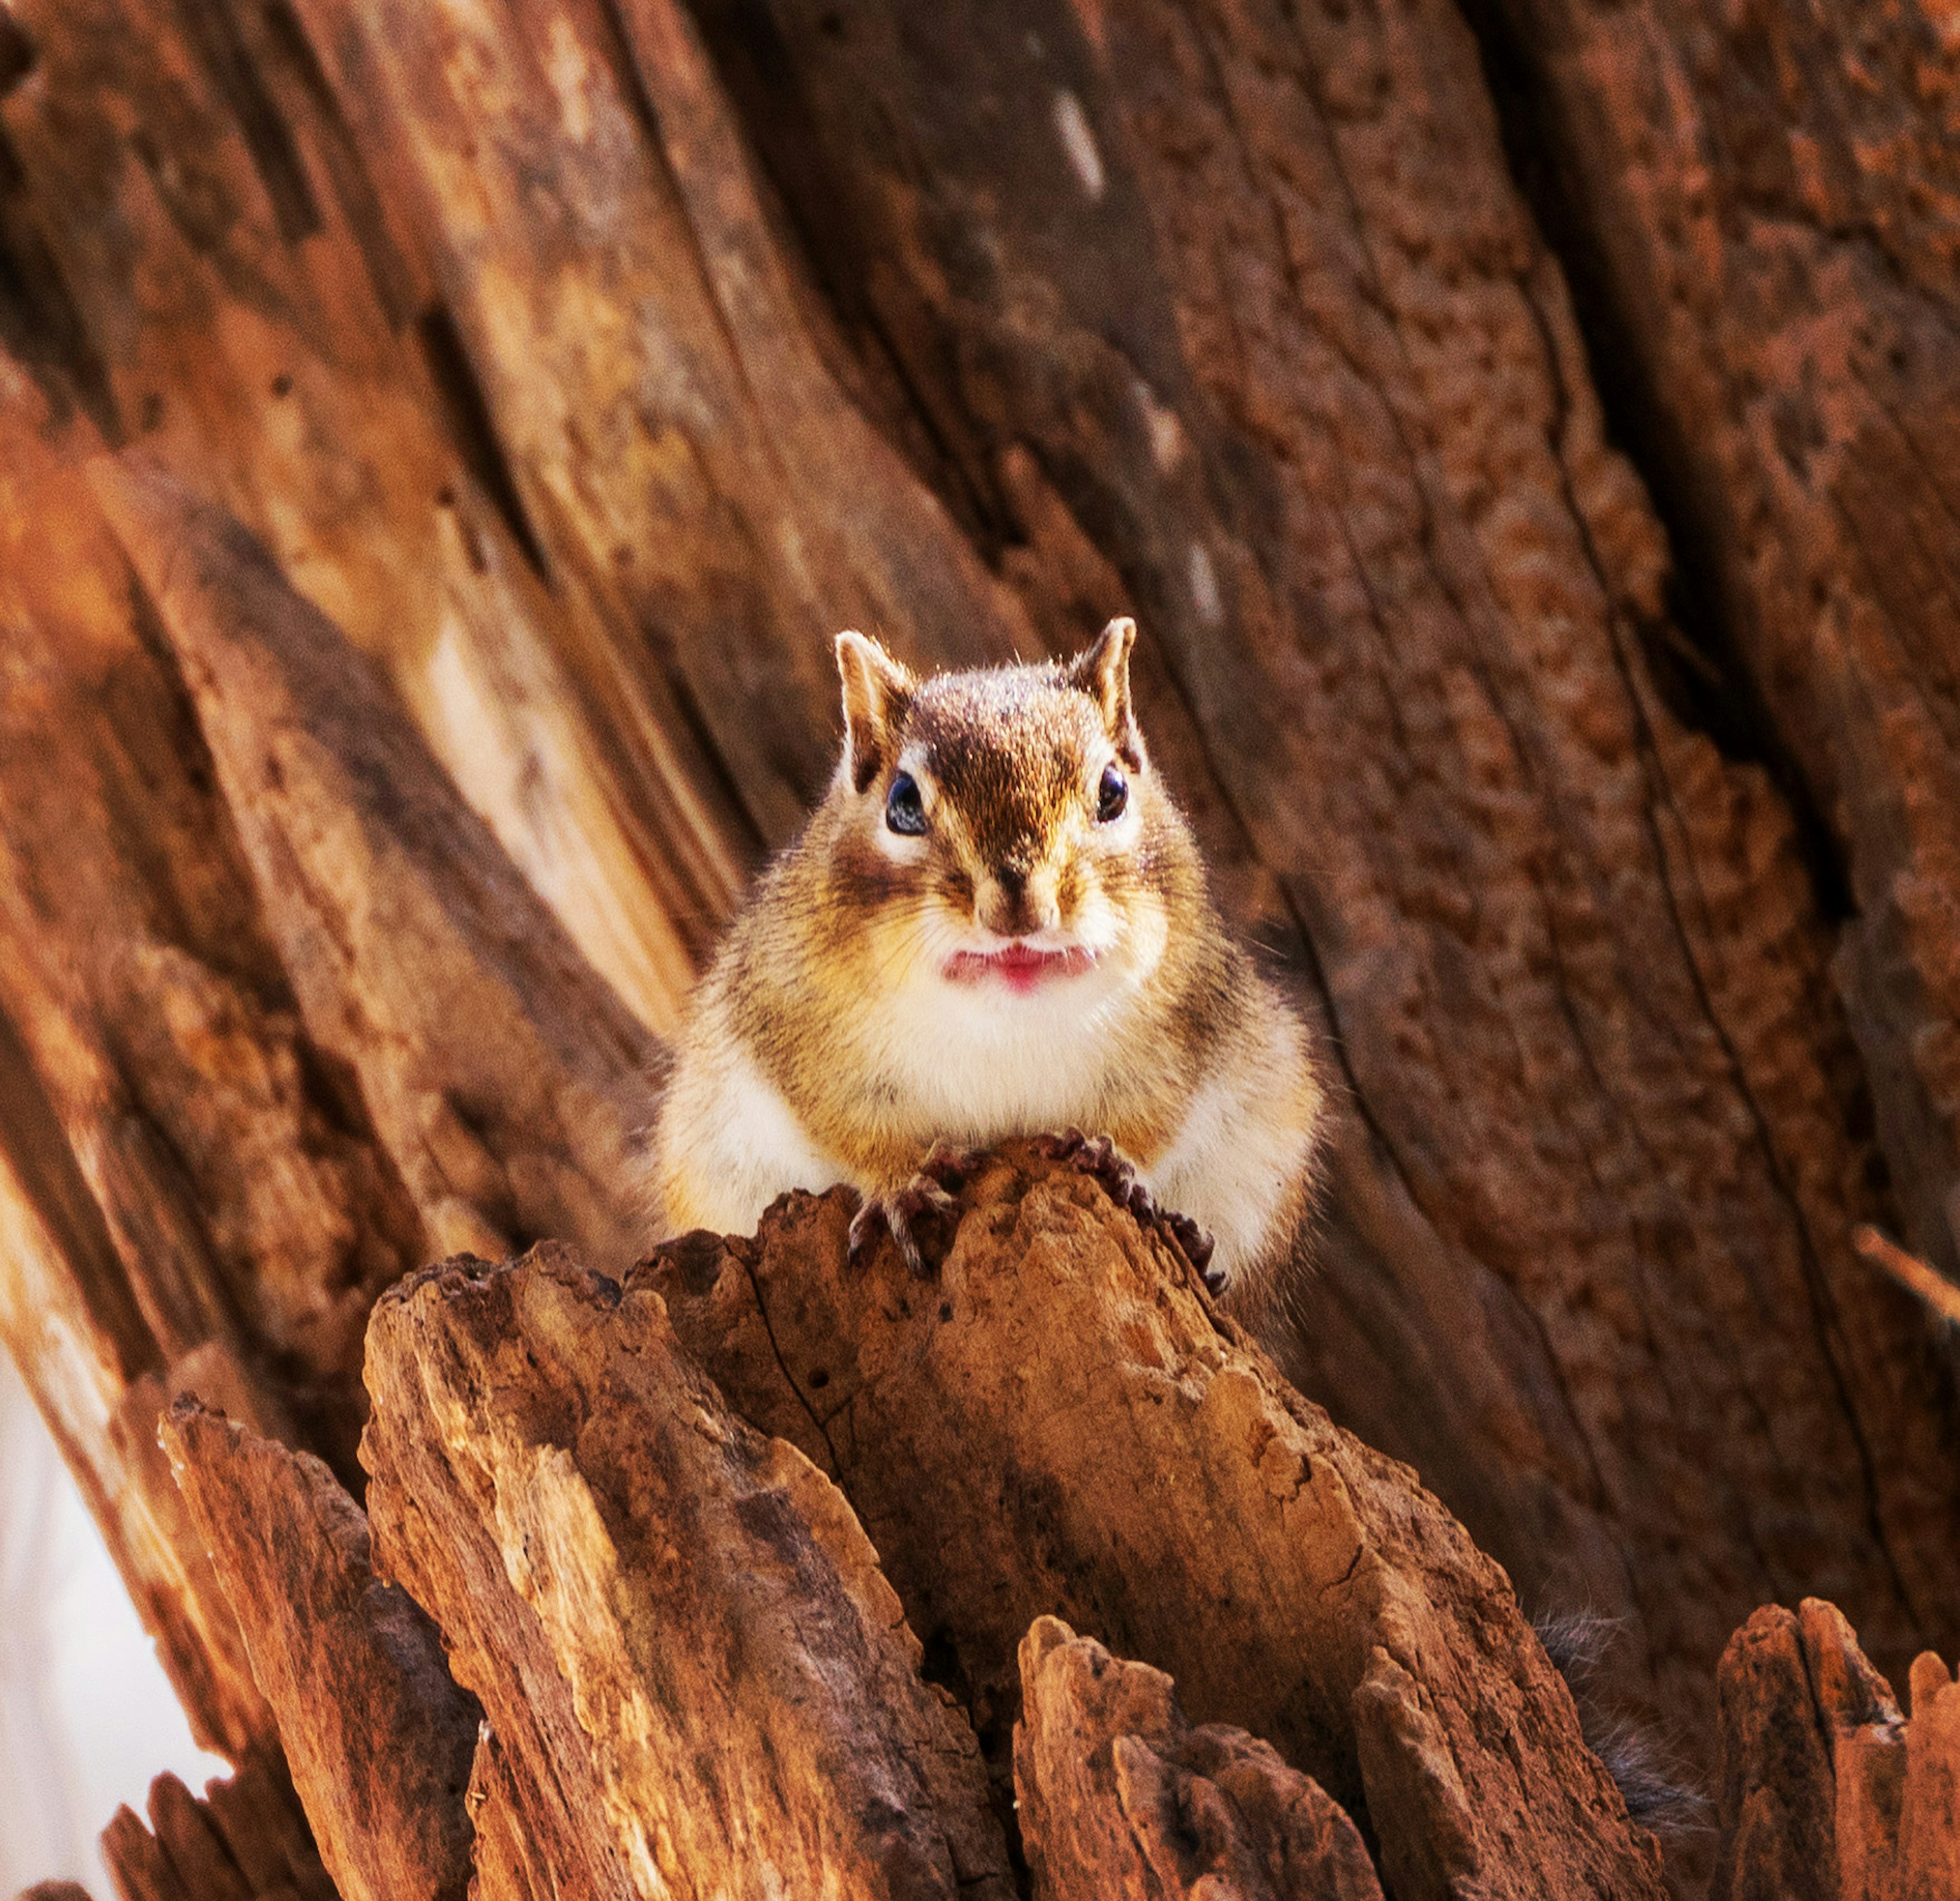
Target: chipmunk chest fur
[(997, 923)]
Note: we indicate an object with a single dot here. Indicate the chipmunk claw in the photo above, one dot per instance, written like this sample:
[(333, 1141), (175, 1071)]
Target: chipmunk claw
[(1198, 1248), (1098, 1156), (929, 1198)]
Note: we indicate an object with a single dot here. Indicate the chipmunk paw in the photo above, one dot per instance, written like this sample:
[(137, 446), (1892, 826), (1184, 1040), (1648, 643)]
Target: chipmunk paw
[(920, 1214), (1098, 1156)]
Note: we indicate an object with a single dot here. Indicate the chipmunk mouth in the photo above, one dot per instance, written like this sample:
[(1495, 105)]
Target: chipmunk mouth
[(1020, 967)]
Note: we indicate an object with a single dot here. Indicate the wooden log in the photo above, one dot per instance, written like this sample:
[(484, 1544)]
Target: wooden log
[(189, 1193), (379, 1740), (1056, 1424), (1828, 1792), (231, 280), (635, 316), (697, 1679), (1120, 1795)]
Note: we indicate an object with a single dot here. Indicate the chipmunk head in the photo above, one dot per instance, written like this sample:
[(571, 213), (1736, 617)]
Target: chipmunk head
[(1002, 830)]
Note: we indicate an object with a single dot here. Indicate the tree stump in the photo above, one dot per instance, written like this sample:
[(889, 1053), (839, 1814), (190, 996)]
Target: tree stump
[(436, 447), (698, 1675)]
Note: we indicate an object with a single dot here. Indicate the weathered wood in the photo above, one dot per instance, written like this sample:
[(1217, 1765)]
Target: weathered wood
[(245, 1840), (379, 1739), (1056, 1424), (1828, 1793), (1252, 287), (1120, 1796), (585, 364), (508, 1082), (188, 1194), (1765, 209), (698, 1680), (676, 437), (207, 261)]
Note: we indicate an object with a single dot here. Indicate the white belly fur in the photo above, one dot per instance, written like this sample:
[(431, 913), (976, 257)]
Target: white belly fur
[(975, 1066), (743, 1143), (1244, 1146), (978, 1072)]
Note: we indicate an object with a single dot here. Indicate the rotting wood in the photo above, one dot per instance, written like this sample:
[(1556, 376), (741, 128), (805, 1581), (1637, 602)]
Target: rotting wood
[(506, 1079), (1230, 315), (187, 1196), (1253, 289), (244, 1839), (379, 1739), (1056, 1424), (698, 1680), (1829, 1792), (623, 1569), (211, 263), (1122, 1798), (1766, 213)]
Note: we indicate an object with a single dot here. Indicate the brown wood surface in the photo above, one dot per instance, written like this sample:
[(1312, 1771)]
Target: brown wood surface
[(694, 1676), (437, 445), (1828, 1790), (1057, 1425), (1589, 1263), (700, 1682), (244, 1839), (1121, 1796), (380, 1739), (1765, 217)]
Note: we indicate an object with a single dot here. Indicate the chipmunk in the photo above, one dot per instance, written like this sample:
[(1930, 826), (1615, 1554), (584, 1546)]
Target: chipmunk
[(997, 923)]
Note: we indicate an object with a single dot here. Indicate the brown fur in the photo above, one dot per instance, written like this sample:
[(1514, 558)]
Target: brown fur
[(823, 993)]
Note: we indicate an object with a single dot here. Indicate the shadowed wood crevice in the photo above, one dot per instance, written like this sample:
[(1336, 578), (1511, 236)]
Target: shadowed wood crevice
[(1694, 652), (1121, 1796)]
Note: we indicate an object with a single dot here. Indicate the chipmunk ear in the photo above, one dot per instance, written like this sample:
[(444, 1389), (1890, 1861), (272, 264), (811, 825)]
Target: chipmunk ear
[(875, 689), (1103, 673)]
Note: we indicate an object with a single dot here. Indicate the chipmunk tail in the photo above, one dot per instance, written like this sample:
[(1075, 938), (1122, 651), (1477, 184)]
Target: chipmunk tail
[(1656, 1783)]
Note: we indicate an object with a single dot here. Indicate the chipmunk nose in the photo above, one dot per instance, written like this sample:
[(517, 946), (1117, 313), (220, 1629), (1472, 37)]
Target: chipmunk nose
[(1015, 904)]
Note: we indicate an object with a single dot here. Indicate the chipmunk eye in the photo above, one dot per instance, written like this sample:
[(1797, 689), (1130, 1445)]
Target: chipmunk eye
[(904, 811), (1112, 796)]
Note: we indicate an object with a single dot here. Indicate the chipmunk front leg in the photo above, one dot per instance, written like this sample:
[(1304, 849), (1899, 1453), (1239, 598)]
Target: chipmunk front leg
[(920, 1214), (1098, 1156)]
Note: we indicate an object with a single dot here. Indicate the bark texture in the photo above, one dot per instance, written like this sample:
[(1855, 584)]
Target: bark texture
[(698, 1680), (436, 444), (244, 1839), (1767, 210), (622, 1642), (695, 1677), (380, 1739)]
